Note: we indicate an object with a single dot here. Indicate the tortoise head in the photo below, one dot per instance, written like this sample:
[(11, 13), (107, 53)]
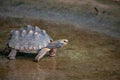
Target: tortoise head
[(58, 43)]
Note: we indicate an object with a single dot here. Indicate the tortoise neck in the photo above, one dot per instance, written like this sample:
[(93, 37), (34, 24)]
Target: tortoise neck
[(52, 45)]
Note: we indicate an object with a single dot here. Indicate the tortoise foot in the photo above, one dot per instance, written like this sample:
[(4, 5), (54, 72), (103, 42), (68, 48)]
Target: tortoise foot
[(36, 60), (11, 58)]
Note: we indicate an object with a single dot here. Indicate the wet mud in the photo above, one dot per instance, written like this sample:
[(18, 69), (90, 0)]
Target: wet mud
[(93, 51)]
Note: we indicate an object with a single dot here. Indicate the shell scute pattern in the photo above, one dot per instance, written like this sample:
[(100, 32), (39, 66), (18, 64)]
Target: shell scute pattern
[(28, 38)]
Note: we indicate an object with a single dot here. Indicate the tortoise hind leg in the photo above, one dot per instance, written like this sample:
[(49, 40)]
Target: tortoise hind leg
[(12, 54)]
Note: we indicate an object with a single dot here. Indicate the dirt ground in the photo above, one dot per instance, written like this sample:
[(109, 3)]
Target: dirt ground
[(93, 31)]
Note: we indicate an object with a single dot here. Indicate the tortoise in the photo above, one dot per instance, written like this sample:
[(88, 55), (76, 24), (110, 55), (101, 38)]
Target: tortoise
[(32, 39)]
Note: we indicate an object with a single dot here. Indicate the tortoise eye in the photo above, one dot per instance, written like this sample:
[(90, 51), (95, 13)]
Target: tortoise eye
[(51, 40), (65, 41)]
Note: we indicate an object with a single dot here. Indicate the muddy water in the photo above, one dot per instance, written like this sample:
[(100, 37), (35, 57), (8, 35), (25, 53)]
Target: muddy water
[(48, 69), (90, 55), (57, 68), (21, 69)]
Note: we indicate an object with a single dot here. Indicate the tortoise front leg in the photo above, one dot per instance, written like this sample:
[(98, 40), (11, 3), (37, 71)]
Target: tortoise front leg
[(12, 54), (41, 53)]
